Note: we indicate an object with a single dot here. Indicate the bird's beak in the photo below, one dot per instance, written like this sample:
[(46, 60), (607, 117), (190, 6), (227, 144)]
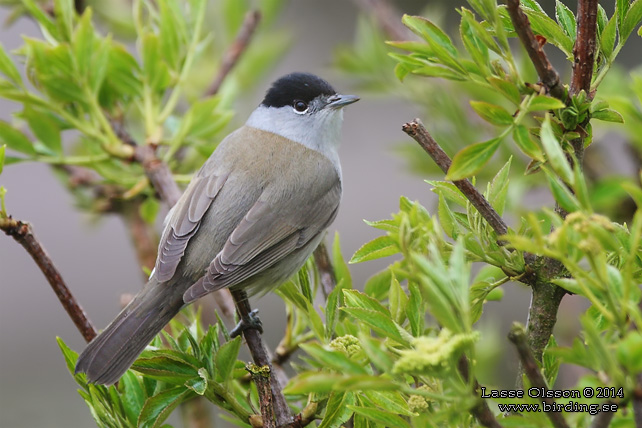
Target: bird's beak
[(339, 101)]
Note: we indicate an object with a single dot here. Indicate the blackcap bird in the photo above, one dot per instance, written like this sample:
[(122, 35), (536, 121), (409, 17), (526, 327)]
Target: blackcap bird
[(248, 220)]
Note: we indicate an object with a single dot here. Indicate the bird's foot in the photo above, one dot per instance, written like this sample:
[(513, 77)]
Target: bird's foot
[(251, 322)]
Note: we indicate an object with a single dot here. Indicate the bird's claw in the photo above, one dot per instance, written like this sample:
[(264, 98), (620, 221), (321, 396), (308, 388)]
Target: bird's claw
[(251, 322)]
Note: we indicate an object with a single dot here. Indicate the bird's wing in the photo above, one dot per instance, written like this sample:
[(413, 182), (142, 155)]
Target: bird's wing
[(275, 226), (183, 222)]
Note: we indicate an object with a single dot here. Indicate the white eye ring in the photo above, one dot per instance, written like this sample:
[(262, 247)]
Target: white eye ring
[(300, 105)]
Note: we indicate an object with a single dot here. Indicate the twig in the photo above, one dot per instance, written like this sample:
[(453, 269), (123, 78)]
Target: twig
[(282, 413), (23, 234), (305, 417), (261, 376), (236, 49), (387, 17), (419, 133), (159, 174), (144, 240), (547, 74), (584, 49), (324, 266), (602, 419), (637, 402), (481, 411), (517, 336)]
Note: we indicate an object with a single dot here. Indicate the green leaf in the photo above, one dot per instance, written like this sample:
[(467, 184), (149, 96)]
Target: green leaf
[(381, 417), (337, 411), (64, 13), (376, 352), (550, 363), (631, 20), (479, 31), (319, 382), (341, 270), (149, 209), (391, 401), (522, 137), (416, 316), (499, 188), (429, 32), (475, 46), (543, 102), (506, 88), (83, 44), (379, 322), (383, 246), (398, 302), (172, 33), (2, 153), (159, 407), (46, 129), (164, 366), (199, 384), (607, 41), (629, 352), (15, 140), (548, 28), (446, 218), (562, 195), (554, 152), (336, 360), (226, 357), (132, 395), (332, 305), (566, 19), (438, 71), (8, 68), (608, 115), (70, 355), (471, 159), (357, 299), (492, 113)]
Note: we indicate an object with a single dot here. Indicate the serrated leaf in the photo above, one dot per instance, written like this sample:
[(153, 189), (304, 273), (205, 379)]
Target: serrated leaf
[(357, 299), (165, 367), (15, 140), (199, 384), (543, 102), (383, 246), (608, 115), (132, 395), (548, 28), (331, 309), (429, 32), (226, 357), (607, 40), (333, 359), (159, 407), (415, 313), (562, 195), (341, 270), (379, 322), (391, 401), (499, 188), (377, 285), (508, 89), (522, 138), (337, 411), (438, 71), (550, 363), (373, 350), (398, 301), (44, 128), (8, 68), (492, 113), (566, 19), (475, 46), (471, 159), (555, 154), (83, 44), (381, 417), (631, 20), (446, 218)]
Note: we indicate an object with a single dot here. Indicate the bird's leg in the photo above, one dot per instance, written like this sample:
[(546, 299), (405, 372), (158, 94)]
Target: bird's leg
[(249, 318)]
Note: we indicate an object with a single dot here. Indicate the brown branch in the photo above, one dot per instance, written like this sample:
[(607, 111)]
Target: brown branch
[(275, 400), (305, 417), (324, 266), (23, 234), (388, 19), (602, 419), (419, 133), (236, 49), (480, 411), (159, 174), (637, 402), (584, 48), (547, 74), (517, 336)]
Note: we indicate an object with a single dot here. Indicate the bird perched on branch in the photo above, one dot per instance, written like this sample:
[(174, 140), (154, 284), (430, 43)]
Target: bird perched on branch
[(248, 220)]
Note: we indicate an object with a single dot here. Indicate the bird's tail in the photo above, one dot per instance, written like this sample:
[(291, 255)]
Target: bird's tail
[(114, 350)]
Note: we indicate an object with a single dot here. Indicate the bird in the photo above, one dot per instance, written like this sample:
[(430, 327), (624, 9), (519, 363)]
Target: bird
[(248, 220)]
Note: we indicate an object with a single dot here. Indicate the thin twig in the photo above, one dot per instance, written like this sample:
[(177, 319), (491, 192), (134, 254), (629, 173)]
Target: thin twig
[(282, 413), (388, 19), (517, 336), (236, 49), (23, 234), (547, 74), (421, 135), (637, 402), (481, 411), (324, 266), (159, 174), (305, 417), (143, 238), (602, 419)]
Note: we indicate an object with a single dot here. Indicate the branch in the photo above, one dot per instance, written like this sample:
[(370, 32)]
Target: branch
[(159, 174), (602, 419), (584, 49), (547, 74), (480, 411), (23, 234), (234, 52), (387, 17), (275, 400), (324, 266), (517, 336), (637, 402), (419, 133)]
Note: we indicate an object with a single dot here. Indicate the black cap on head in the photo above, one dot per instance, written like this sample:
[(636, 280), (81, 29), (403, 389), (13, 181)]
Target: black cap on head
[(296, 87)]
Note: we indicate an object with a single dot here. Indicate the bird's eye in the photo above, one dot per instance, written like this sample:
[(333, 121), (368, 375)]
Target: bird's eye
[(300, 106)]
